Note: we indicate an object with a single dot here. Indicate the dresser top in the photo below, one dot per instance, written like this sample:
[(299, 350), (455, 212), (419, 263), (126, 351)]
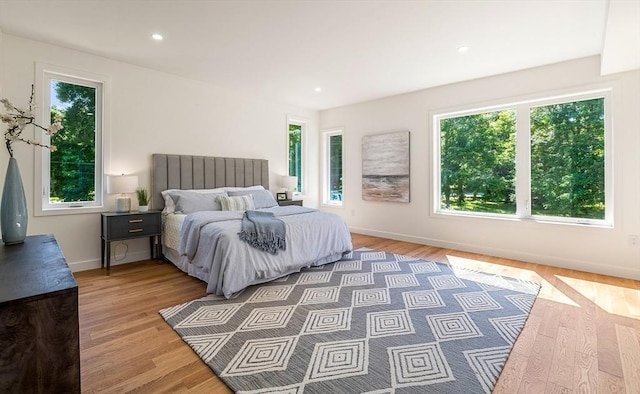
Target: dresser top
[(32, 269), (132, 213)]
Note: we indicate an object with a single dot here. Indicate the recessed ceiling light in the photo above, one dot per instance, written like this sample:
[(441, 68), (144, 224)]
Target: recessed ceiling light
[(318, 90), (463, 49), (157, 37)]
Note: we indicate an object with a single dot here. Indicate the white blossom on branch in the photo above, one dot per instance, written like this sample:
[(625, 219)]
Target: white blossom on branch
[(17, 119)]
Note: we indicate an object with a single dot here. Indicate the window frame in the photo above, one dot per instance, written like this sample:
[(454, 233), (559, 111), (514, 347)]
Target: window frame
[(326, 167), (303, 152), (44, 74), (523, 157)]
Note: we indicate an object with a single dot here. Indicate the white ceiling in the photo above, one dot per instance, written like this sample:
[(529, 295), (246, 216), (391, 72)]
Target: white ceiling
[(354, 50)]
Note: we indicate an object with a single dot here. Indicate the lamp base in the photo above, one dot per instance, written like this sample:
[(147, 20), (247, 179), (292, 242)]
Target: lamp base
[(123, 204), (289, 194)]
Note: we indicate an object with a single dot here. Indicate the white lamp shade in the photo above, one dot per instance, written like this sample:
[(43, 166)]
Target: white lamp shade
[(289, 182), (121, 184)]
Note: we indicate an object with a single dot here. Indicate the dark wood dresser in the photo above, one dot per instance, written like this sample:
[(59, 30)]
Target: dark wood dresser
[(39, 333)]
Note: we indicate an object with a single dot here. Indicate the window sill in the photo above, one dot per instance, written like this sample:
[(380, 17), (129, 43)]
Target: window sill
[(533, 219), (69, 211)]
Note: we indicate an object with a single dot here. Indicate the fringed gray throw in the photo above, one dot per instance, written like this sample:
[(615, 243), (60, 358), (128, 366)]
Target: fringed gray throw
[(263, 231)]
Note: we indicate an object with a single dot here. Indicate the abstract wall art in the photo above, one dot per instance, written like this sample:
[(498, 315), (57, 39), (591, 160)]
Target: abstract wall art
[(385, 167)]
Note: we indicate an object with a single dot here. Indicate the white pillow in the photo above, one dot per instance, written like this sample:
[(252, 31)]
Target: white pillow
[(235, 188)]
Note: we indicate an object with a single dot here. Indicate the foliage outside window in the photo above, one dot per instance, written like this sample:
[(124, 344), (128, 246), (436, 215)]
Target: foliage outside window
[(567, 160), (333, 168), (478, 162), (71, 175), (295, 152), (72, 165), (563, 179)]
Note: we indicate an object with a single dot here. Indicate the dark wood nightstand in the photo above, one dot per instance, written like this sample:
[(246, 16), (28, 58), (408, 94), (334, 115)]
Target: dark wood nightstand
[(283, 203), (129, 225)]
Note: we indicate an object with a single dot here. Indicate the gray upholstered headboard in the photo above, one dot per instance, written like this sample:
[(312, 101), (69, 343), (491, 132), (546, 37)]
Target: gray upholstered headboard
[(203, 172)]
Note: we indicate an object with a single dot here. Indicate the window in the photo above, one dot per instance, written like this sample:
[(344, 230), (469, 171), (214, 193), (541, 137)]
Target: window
[(333, 167), (71, 175), (478, 162), (296, 138), (562, 170), (567, 159)]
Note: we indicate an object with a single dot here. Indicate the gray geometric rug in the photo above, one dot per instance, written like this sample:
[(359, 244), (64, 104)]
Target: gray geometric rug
[(373, 322)]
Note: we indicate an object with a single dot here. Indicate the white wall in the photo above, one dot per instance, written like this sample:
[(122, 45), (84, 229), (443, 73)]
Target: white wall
[(150, 112), (602, 250), (1, 63)]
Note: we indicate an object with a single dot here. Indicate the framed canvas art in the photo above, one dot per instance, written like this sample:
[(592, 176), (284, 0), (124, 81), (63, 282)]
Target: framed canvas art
[(385, 167)]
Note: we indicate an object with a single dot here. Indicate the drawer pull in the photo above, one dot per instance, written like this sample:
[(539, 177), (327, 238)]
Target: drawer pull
[(136, 230), (135, 221)]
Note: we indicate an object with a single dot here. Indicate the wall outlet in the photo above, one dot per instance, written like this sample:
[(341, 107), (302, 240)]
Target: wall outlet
[(353, 212), (634, 240)]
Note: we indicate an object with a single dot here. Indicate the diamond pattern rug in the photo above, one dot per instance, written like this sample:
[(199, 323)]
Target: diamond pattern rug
[(373, 322)]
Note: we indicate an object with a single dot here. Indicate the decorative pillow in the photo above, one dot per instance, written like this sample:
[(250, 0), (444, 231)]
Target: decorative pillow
[(261, 198), (188, 202), (238, 203)]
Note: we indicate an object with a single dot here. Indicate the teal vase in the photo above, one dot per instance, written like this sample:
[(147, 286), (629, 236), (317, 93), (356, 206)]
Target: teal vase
[(13, 209)]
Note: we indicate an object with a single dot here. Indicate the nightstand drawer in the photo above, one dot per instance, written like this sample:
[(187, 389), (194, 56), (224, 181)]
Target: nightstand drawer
[(284, 203), (127, 226)]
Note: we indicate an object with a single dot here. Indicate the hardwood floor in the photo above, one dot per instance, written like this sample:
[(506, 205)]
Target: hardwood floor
[(583, 335)]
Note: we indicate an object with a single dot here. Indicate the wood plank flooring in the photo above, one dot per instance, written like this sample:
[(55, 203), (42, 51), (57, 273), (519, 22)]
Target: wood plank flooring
[(583, 335)]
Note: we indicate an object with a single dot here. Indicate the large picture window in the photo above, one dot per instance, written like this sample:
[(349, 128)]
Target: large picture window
[(71, 175), (562, 172)]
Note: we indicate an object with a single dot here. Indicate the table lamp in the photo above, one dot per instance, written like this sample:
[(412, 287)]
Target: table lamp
[(122, 184), (289, 183)]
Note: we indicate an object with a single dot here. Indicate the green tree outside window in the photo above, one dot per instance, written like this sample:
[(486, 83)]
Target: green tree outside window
[(478, 170), (295, 153), (72, 165)]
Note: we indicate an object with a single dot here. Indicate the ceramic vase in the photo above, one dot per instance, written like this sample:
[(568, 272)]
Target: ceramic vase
[(13, 209)]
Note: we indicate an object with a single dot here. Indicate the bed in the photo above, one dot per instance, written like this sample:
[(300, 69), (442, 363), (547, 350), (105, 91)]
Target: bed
[(201, 238)]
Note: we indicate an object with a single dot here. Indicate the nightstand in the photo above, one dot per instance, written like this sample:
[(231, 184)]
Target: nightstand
[(283, 203), (129, 225)]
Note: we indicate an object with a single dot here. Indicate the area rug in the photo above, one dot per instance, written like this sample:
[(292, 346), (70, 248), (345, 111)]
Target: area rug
[(373, 322)]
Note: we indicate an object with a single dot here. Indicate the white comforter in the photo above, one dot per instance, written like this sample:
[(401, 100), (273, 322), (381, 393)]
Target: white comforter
[(209, 240)]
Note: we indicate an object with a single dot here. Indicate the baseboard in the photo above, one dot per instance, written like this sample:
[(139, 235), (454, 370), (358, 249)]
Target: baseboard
[(580, 265), (577, 265), (94, 264)]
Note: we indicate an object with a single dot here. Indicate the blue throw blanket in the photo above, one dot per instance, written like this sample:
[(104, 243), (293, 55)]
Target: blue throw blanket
[(263, 231)]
